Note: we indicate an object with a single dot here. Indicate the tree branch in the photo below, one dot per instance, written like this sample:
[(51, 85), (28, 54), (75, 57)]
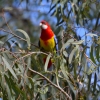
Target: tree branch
[(59, 88)]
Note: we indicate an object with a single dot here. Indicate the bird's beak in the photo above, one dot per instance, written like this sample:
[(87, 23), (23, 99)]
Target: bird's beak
[(40, 24)]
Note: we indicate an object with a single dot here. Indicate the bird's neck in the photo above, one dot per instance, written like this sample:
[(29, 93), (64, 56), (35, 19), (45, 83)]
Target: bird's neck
[(46, 34)]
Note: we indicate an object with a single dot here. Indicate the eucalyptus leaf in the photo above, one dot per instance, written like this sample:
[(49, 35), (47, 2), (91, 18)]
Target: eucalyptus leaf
[(89, 81), (98, 41), (17, 89), (65, 53), (66, 75), (28, 64), (91, 35), (71, 55), (92, 54), (26, 35), (96, 97), (67, 43), (8, 8), (47, 62), (2, 36), (1, 42), (43, 97), (9, 92), (74, 1), (78, 42), (98, 53), (91, 69), (95, 82), (9, 67), (8, 83), (43, 90)]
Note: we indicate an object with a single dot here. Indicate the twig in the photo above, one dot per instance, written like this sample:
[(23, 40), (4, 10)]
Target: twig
[(33, 53), (58, 93), (29, 54), (17, 36), (59, 88)]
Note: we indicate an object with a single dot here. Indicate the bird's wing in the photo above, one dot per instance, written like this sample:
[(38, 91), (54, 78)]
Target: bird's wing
[(40, 46), (56, 43)]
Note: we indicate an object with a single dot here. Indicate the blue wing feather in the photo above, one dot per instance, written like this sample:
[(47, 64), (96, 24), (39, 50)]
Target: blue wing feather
[(56, 43)]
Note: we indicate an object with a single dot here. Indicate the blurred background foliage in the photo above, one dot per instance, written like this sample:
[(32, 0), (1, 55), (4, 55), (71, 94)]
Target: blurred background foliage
[(75, 73)]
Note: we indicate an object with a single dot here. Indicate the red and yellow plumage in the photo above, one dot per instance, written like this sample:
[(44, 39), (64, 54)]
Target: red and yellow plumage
[(47, 40)]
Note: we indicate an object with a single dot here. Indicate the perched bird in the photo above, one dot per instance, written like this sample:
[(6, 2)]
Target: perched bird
[(47, 41)]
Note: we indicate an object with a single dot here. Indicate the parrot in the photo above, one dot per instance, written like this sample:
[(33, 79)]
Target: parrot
[(48, 40)]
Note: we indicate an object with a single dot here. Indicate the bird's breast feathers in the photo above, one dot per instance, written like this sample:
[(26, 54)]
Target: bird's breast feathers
[(48, 45)]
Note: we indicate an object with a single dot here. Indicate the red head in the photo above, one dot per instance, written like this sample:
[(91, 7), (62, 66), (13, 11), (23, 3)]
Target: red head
[(44, 25), (46, 32)]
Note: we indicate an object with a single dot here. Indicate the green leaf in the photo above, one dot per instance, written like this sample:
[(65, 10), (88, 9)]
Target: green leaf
[(91, 69), (43, 90), (78, 42), (64, 71), (98, 53), (75, 68), (89, 81), (72, 54), (65, 53), (97, 21), (9, 67), (75, 1), (26, 35), (91, 35), (47, 62), (95, 81), (98, 41), (28, 64), (52, 8), (43, 97), (85, 67), (55, 13), (8, 82), (1, 42), (17, 89), (65, 18), (91, 54), (1, 37), (8, 87), (84, 49), (66, 75), (67, 43), (8, 8), (96, 96), (31, 81)]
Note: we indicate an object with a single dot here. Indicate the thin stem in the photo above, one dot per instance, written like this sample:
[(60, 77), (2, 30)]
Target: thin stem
[(59, 88)]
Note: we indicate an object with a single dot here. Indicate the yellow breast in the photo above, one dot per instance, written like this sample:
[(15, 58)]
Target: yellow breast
[(48, 45)]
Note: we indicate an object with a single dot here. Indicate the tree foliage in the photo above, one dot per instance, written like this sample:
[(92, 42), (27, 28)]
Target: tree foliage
[(76, 65)]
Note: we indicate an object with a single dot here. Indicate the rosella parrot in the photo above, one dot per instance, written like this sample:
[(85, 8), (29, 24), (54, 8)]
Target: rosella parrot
[(48, 41)]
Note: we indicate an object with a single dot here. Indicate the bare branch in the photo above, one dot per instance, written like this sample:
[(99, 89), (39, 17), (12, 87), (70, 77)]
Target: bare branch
[(59, 88)]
